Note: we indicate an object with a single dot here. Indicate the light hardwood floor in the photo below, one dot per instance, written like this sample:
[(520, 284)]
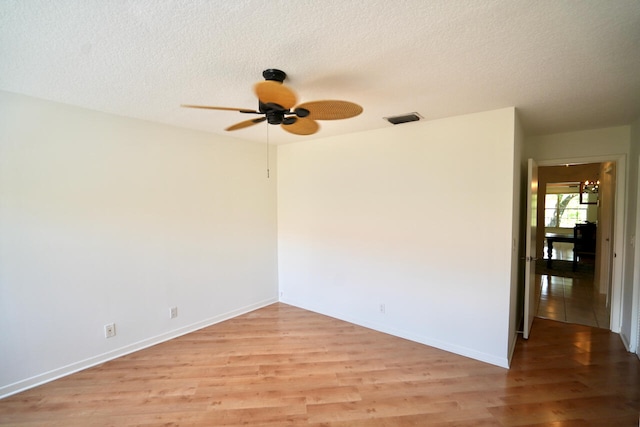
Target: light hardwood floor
[(283, 366)]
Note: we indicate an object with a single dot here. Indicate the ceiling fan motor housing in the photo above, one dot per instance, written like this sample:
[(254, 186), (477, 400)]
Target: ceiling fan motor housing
[(275, 117), (274, 112), (278, 115)]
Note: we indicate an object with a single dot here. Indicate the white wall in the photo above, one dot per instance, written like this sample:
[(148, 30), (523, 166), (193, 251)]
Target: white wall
[(592, 146), (417, 217), (587, 143), (631, 308), (108, 219)]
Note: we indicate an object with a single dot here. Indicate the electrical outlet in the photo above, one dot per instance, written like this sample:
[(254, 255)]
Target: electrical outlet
[(173, 312), (383, 309), (110, 330)]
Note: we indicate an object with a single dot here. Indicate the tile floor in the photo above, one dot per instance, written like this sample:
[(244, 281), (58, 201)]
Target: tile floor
[(571, 300)]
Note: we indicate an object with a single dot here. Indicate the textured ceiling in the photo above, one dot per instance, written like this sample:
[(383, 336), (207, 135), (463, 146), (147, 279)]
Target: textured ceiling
[(566, 64)]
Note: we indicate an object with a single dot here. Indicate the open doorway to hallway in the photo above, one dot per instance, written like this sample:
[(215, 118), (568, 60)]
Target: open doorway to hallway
[(571, 285)]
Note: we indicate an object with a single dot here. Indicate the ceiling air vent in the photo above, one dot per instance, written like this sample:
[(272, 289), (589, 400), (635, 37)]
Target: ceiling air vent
[(405, 118)]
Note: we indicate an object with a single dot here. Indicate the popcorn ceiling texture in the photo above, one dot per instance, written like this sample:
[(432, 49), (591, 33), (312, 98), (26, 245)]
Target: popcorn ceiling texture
[(566, 65)]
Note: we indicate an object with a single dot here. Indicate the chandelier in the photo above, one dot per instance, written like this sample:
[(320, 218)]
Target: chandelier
[(589, 192), (590, 186)]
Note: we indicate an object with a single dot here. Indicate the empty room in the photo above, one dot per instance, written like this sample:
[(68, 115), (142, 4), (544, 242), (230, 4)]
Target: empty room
[(319, 213)]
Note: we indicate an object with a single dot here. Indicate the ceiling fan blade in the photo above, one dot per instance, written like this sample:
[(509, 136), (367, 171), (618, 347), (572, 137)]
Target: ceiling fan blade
[(302, 126), (246, 123), (331, 110), (208, 107), (275, 93)]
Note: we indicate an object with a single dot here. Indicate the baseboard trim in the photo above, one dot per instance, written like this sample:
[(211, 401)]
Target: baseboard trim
[(626, 342), (81, 365)]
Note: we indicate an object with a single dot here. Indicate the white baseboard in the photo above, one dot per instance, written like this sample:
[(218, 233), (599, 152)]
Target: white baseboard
[(63, 371), (626, 342)]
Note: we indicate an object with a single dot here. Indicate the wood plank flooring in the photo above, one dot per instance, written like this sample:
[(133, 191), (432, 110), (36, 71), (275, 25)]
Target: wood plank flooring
[(283, 366)]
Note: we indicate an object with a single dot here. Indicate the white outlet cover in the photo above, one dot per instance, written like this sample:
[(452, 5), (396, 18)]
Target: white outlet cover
[(110, 330)]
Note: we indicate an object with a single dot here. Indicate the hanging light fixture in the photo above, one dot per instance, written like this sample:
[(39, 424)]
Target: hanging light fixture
[(587, 189), (591, 186)]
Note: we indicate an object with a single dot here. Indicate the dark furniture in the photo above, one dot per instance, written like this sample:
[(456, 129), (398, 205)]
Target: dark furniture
[(584, 245), (554, 237)]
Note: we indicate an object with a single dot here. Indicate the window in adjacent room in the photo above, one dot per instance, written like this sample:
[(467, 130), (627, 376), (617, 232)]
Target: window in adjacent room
[(562, 206)]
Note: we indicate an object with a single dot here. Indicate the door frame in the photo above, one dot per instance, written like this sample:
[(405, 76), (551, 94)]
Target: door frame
[(618, 247)]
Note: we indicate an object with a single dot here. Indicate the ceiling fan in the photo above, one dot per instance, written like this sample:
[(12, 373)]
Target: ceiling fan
[(277, 106)]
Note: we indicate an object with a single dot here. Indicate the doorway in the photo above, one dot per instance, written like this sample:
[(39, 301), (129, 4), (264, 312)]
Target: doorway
[(575, 286)]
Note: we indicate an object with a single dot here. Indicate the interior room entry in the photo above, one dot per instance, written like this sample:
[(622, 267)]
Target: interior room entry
[(575, 240)]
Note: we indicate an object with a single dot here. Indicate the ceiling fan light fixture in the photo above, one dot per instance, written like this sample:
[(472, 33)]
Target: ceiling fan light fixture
[(405, 118)]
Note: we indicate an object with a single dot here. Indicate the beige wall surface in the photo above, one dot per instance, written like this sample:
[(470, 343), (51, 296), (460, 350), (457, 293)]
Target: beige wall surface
[(107, 219), (408, 230)]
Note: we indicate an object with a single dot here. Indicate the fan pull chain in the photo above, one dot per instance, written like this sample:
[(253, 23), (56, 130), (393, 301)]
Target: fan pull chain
[(268, 151)]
